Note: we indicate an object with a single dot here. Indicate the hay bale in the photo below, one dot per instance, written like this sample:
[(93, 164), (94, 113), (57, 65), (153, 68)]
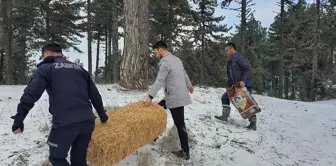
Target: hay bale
[(128, 129)]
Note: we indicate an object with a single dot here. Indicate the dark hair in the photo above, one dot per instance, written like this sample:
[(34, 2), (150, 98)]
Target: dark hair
[(230, 44), (53, 47), (160, 44)]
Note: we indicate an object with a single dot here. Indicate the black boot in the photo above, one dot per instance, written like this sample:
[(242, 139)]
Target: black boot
[(225, 114), (253, 123), (181, 154)]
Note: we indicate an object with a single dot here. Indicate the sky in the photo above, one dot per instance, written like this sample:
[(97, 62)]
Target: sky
[(265, 11)]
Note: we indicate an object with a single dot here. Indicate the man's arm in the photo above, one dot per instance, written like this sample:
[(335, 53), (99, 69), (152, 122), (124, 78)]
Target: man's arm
[(247, 68), (32, 93), (96, 99), (162, 74)]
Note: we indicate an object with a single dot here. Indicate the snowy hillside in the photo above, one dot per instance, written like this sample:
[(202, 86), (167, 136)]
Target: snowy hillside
[(289, 132)]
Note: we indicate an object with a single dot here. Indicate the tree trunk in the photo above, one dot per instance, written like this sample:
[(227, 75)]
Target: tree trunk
[(202, 44), (110, 58), (315, 53), (89, 37), (134, 65), (293, 95), (45, 7), (97, 56), (170, 17), (243, 27), (8, 37), (115, 38), (106, 55), (281, 67), (2, 57), (286, 86)]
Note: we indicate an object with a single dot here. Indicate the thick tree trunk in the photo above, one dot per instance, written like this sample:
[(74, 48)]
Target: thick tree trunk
[(89, 37), (315, 54), (115, 37), (134, 65), (8, 37)]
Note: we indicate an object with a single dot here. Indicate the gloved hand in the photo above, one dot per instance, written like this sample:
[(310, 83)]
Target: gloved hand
[(104, 118), (18, 125)]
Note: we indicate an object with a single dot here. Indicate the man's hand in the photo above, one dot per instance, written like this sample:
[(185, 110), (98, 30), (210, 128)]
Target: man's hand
[(242, 84), (148, 101), (18, 126), (104, 119), (191, 90)]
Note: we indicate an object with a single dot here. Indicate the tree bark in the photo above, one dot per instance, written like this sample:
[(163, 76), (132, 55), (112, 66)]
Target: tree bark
[(106, 55), (89, 39), (2, 57), (315, 53), (202, 44), (8, 37), (97, 56), (134, 65), (243, 27), (281, 67), (115, 38)]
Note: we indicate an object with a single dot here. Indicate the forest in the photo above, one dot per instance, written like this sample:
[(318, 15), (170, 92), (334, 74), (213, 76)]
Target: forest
[(295, 58)]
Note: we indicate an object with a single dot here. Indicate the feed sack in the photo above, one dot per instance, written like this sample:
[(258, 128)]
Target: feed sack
[(128, 129), (243, 101)]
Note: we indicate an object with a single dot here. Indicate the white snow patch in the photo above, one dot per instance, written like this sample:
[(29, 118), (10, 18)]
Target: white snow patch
[(289, 132)]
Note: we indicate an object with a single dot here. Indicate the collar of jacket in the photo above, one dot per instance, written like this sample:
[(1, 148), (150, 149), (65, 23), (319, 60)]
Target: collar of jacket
[(168, 53), (49, 59), (235, 56)]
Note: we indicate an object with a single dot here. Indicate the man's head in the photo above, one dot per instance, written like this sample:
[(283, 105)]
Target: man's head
[(160, 48), (52, 49), (230, 49)]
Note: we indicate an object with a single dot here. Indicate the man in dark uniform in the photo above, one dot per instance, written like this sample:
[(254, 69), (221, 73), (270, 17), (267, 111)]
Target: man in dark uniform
[(239, 70), (71, 92)]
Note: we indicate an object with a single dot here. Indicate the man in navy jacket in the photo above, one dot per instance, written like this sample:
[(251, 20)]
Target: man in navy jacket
[(71, 92), (239, 70)]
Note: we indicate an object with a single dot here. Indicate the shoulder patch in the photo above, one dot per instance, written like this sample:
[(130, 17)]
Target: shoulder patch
[(66, 66)]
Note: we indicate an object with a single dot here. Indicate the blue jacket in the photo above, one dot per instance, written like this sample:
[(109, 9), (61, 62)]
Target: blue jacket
[(239, 69), (70, 89)]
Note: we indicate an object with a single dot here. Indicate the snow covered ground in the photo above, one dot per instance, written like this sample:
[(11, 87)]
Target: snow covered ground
[(289, 132)]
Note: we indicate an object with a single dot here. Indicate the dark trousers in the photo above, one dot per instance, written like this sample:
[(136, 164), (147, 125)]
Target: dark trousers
[(77, 136), (178, 117), (226, 101)]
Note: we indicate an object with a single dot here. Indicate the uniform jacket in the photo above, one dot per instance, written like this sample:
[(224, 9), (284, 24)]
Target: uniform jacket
[(173, 77), (239, 69), (70, 89)]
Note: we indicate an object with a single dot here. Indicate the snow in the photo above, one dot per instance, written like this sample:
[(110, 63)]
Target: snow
[(289, 132)]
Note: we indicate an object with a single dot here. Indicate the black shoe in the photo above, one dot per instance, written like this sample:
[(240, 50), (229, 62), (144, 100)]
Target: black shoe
[(154, 140), (181, 154)]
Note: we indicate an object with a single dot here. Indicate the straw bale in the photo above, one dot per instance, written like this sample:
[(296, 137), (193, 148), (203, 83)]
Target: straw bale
[(127, 129)]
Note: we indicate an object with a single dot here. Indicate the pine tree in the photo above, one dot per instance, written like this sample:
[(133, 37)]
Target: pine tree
[(207, 30)]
